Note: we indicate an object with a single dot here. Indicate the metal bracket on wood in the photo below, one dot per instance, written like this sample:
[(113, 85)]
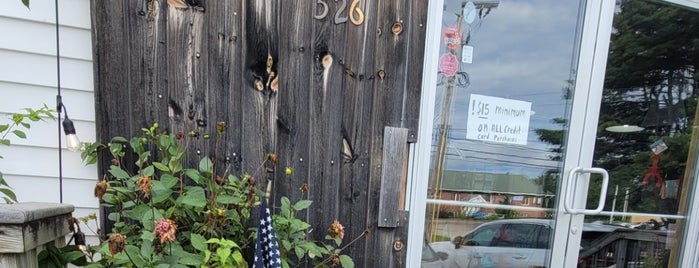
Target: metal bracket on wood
[(395, 143)]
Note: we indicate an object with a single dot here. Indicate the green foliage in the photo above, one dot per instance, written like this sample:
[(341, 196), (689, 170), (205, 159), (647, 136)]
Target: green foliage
[(53, 257), (292, 234), (19, 124), (171, 215)]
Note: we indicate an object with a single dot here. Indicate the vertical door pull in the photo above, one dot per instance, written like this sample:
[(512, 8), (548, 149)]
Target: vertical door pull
[(573, 182)]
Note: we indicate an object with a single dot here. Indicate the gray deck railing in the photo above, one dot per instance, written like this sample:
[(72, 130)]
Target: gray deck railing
[(25, 228), (631, 249)]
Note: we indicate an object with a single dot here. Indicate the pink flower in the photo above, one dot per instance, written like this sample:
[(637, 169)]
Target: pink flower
[(165, 229), (336, 230)]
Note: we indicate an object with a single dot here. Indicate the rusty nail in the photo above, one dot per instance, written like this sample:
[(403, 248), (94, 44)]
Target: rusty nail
[(398, 245)]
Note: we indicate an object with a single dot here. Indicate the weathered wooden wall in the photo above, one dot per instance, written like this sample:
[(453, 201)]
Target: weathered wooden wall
[(317, 93)]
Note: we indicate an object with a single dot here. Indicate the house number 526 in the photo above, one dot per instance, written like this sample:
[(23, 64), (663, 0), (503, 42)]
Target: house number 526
[(356, 15)]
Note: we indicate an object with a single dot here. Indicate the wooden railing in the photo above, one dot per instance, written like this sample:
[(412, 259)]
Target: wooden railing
[(25, 229)]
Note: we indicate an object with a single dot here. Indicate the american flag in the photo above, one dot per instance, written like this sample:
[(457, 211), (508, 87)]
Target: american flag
[(266, 247)]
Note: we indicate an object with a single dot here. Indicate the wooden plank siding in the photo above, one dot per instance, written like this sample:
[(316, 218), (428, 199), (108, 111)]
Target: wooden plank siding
[(313, 91), (28, 80)]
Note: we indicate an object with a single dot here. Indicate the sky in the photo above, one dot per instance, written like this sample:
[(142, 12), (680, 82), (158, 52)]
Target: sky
[(523, 51)]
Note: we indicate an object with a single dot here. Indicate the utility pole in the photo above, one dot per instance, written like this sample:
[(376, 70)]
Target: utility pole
[(611, 216), (445, 123)]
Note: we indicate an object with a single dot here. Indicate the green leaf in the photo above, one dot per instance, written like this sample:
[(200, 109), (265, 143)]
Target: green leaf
[(160, 192), (303, 204), (238, 258), (198, 242), (5, 142), (148, 236), (161, 167), (286, 207), (191, 261), (135, 254), (227, 199), (299, 252), (148, 171), (164, 141), (138, 212), (223, 254), (148, 220), (4, 127), (26, 3), (119, 139), (299, 225), (19, 134), (3, 182), (194, 196), (346, 261), (114, 216), (9, 193), (118, 172), (116, 148), (194, 175), (146, 246), (205, 165), (168, 180)]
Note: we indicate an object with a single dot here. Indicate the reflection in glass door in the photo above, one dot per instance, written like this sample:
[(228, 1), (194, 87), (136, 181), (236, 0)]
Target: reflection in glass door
[(645, 138), (502, 108)]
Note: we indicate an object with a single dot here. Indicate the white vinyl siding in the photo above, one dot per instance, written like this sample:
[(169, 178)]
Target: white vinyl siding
[(28, 80)]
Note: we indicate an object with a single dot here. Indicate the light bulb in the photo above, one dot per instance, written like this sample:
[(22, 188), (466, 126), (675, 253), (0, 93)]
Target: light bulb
[(72, 141)]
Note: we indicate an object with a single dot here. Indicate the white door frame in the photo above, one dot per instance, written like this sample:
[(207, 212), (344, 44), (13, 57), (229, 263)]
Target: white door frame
[(591, 67)]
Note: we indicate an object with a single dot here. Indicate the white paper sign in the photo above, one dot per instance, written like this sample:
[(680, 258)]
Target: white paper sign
[(498, 120), (467, 54)]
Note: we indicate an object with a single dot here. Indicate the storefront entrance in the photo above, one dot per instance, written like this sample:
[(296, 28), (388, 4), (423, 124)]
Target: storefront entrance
[(557, 134)]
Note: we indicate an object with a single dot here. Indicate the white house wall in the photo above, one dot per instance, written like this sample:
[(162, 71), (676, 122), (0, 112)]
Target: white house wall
[(28, 80)]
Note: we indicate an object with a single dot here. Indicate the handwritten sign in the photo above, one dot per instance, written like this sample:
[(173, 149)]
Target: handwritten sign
[(498, 120)]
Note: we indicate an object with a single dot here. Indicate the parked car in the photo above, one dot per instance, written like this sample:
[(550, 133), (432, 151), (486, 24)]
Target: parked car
[(512, 243)]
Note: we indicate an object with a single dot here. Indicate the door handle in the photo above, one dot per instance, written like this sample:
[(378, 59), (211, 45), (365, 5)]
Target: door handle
[(572, 183)]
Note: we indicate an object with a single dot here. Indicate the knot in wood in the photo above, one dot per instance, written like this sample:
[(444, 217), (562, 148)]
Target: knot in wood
[(397, 28)]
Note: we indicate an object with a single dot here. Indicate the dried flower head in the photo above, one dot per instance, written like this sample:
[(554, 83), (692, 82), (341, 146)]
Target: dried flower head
[(165, 229), (335, 261), (304, 187), (220, 180), (336, 230), (179, 135), (117, 242), (101, 188), (221, 127), (115, 162), (145, 183), (272, 158)]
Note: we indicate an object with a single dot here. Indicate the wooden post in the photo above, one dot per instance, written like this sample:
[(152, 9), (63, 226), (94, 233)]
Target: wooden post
[(26, 227)]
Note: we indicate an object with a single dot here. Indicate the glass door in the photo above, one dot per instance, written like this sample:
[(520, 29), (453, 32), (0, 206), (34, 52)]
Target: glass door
[(645, 139), (518, 118), (505, 96)]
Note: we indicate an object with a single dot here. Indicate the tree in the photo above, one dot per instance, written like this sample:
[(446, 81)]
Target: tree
[(651, 68)]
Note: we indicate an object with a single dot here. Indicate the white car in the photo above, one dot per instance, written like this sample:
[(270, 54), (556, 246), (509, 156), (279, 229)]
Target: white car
[(519, 243)]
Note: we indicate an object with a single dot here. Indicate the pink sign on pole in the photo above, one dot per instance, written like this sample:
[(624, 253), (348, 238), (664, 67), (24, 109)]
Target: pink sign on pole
[(448, 64)]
